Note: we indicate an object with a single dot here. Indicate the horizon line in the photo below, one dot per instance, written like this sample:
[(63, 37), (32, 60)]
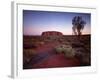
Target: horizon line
[(62, 35)]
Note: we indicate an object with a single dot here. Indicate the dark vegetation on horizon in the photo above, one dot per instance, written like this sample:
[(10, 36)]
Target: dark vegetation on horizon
[(63, 35)]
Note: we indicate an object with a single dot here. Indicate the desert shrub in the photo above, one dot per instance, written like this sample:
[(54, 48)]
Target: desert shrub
[(29, 46), (28, 54), (41, 43), (79, 51), (69, 51), (59, 49), (51, 38), (77, 44), (66, 49), (85, 59), (66, 42)]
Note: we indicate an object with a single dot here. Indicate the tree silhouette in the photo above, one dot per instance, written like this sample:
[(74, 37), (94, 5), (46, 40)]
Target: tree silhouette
[(78, 25)]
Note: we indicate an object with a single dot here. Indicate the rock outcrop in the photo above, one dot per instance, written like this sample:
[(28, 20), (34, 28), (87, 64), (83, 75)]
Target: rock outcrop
[(52, 33)]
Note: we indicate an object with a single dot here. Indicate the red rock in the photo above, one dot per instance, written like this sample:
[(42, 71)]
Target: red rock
[(52, 33)]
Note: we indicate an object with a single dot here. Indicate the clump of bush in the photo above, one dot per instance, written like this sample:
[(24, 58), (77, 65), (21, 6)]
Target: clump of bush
[(28, 54), (41, 43), (66, 49)]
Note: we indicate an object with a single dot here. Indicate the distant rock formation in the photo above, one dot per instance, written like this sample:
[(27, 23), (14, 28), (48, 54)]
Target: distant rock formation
[(52, 33)]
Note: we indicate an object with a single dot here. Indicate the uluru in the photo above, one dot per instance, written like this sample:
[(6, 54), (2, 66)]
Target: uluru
[(52, 33)]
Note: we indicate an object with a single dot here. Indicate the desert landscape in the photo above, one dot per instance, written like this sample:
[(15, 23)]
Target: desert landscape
[(50, 50), (54, 39)]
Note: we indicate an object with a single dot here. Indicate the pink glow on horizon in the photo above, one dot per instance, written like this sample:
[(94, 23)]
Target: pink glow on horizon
[(38, 30)]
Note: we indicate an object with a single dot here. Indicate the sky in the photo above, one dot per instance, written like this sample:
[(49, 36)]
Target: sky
[(36, 22)]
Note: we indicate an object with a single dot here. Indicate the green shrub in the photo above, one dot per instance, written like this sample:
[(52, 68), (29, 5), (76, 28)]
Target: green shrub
[(66, 49), (59, 49), (69, 53)]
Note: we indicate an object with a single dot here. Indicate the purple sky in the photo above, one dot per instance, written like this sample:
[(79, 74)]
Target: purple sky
[(36, 22)]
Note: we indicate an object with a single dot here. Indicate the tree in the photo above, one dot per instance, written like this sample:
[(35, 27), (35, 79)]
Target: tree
[(78, 25)]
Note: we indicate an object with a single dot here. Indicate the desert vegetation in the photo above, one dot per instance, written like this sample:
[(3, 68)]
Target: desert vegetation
[(78, 25), (39, 49), (66, 49)]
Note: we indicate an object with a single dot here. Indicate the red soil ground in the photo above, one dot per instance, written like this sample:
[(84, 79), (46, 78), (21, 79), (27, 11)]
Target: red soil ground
[(55, 60)]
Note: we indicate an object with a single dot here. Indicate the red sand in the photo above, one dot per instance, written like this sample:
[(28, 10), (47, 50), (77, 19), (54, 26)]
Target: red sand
[(46, 47), (56, 60)]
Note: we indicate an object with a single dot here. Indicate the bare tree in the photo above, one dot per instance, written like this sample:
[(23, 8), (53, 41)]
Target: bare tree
[(78, 25)]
